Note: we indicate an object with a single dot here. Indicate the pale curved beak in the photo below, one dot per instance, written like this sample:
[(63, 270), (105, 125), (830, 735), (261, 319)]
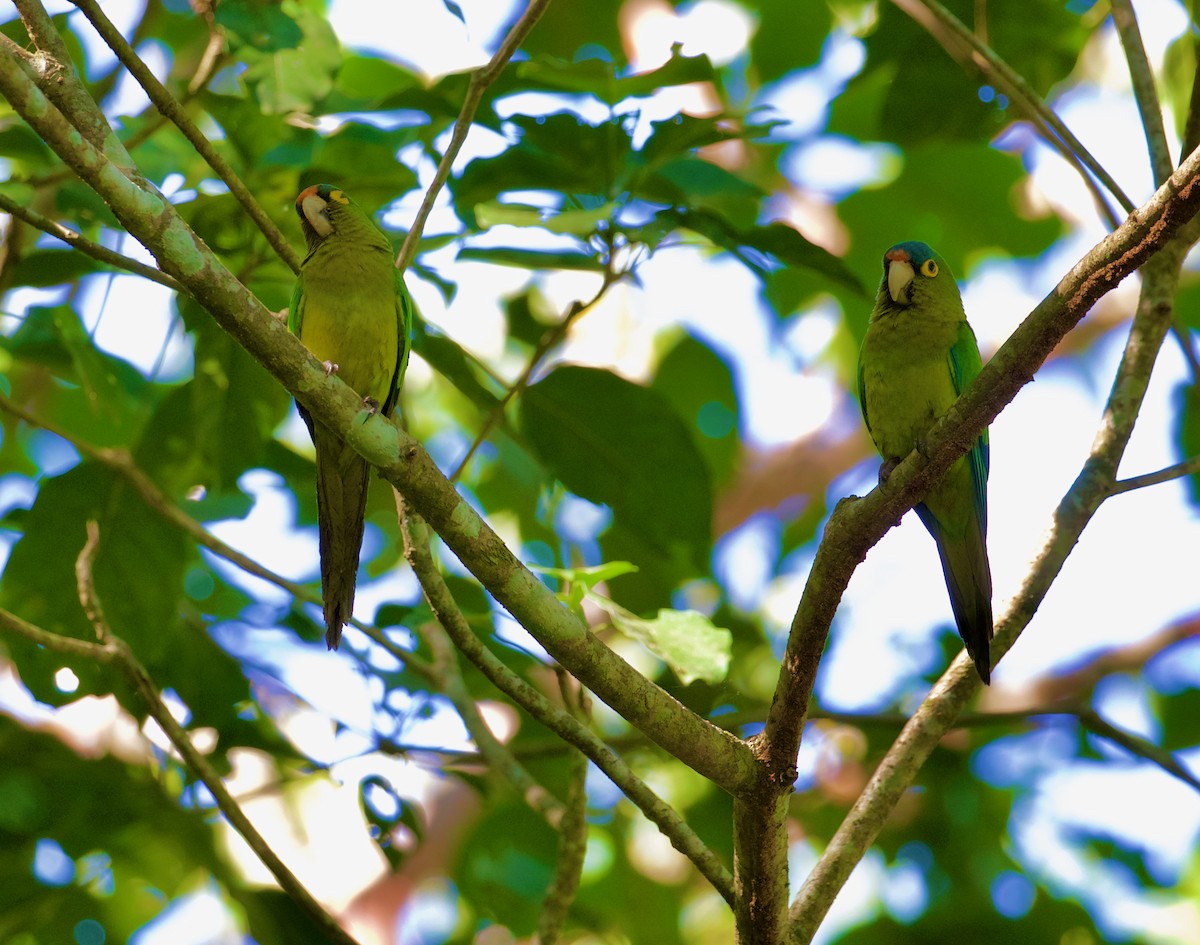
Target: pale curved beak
[(899, 278), (313, 209)]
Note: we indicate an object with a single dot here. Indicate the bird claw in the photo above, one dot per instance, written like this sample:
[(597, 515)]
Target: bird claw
[(372, 406), (330, 368), (885, 469), (281, 315), (922, 446)]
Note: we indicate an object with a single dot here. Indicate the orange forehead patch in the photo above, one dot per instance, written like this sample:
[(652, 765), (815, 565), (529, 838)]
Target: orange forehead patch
[(306, 193)]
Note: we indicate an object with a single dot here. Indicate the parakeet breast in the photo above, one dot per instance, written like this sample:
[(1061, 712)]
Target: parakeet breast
[(906, 380), (350, 315)]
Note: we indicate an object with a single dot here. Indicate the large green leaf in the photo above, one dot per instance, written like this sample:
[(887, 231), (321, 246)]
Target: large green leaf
[(621, 444)]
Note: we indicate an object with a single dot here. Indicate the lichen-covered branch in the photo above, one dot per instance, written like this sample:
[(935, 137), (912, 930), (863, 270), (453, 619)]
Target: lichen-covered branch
[(166, 103), (87, 247)]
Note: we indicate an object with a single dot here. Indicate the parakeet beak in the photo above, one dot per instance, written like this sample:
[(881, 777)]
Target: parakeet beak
[(899, 278), (314, 210)]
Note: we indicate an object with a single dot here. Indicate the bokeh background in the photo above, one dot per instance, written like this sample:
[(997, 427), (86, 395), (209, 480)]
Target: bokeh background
[(721, 178)]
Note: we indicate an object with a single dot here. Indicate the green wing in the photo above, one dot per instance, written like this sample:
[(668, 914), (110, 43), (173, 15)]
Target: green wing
[(296, 309), (405, 312), (965, 365), (862, 395)]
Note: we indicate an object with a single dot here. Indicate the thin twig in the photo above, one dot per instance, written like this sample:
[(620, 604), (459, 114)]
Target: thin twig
[(547, 343), (196, 762), (87, 247), (120, 461), (572, 834), (449, 680), (1138, 746), (1018, 90), (88, 597), (167, 104), (480, 80), (55, 642), (1141, 74), (682, 837), (60, 83), (1186, 468)]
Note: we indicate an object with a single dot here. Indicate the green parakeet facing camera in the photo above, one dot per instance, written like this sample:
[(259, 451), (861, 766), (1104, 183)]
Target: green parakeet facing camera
[(918, 355), (351, 310)]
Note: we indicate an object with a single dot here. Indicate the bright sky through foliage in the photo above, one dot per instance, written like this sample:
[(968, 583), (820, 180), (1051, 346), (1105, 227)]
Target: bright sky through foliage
[(895, 611)]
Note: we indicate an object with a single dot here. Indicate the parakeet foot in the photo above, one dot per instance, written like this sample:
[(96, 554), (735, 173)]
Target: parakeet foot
[(281, 315), (372, 406), (886, 468), (330, 368)]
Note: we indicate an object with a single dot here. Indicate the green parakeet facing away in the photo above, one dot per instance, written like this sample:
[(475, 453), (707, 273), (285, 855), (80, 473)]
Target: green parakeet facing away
[(918, 355), (352, 311)]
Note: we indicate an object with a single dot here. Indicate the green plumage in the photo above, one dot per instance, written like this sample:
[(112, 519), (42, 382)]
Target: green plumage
[(918, 355), (352, 311)]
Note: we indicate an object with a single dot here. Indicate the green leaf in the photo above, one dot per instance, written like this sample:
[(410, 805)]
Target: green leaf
[(699, 385), (261, 25), (560, 152), (533, 258), (362, 158), (778, 241), (599, 78), (589, 577), (448, 358), (927, 200), (45, 267), (294, 78), (621, 444), (582, 580), (685, 639), (576, 222), (1187, 431)]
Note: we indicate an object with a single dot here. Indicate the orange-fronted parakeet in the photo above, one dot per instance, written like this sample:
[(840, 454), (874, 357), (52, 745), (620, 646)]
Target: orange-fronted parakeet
[(351, 310), (918, 355)]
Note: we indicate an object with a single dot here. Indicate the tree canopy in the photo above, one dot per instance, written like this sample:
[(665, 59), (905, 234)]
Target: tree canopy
[(620, 672)]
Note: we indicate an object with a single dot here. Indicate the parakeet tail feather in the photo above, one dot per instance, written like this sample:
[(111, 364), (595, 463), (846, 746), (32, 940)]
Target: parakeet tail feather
[(969, 581), (342, 481)]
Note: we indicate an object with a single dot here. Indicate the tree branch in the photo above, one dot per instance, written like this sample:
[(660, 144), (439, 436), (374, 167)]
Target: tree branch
[(1053, 129), (1187, 468), (121, 462), (449, 679), (87, 247), (1142, 76), (572, 842), (168, 106), (480, 80), (568, 728), (196, 762), (551, 338), (941, 707)]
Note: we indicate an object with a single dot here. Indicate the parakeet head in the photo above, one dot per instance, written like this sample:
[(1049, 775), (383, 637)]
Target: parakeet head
[(323, 209), (913, 273)]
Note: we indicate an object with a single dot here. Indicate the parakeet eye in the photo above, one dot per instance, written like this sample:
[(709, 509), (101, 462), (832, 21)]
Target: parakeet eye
[(929, 268)]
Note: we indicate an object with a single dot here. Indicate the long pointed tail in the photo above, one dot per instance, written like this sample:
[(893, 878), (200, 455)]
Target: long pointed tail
[(342, 478), (969, 580)]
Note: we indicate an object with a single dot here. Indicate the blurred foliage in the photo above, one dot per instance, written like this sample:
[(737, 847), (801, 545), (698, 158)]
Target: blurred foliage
[(597, 182)]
